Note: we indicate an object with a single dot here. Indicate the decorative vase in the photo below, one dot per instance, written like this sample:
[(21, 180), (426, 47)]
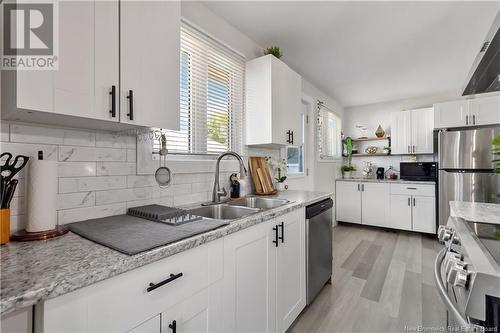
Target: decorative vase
[(280, 186), (379, 132), (348, 175)]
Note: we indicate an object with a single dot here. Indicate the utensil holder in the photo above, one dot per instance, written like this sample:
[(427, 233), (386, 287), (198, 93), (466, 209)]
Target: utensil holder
[(4, 226)]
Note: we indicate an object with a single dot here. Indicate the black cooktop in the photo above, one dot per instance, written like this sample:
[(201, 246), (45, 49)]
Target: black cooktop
[(489, 236)]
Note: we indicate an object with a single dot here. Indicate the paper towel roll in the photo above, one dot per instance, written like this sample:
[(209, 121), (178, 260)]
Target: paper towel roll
[(42, 195)]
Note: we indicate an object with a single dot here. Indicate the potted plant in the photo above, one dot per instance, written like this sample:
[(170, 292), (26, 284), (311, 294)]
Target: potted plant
[(279, 166), (274, 50), (347, 171)]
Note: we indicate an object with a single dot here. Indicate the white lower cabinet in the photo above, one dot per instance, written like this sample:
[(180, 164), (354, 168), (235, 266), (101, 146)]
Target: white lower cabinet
[(405, 206), (265, 275), (250, 281)]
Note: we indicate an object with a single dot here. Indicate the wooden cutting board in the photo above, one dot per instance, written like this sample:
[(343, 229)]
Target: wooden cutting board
[(261, 177)]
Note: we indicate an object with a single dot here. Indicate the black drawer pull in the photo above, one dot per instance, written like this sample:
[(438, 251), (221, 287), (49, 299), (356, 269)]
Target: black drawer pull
[(173, 326), (292, 138), (282, 237), (411, 188), (172, 277), (130, 97), (276, 237), (113, 101)]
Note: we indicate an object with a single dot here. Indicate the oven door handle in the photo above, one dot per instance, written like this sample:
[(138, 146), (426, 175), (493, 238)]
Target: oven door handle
[(463, 322)]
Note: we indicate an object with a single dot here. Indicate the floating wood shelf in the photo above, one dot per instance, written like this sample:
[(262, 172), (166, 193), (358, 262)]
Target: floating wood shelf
[(378, 154), (371, 139)]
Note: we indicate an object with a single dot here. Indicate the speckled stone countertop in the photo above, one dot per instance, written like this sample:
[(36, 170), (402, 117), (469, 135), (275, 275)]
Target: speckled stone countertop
[(390, 181), (476, 211), (41, 270)]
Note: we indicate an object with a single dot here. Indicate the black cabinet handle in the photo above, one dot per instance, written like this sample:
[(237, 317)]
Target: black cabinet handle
[(292, 138), (282, 237), (113, 101), (130, 98), (289, 137), (414, 201), (411, 188), (173, 326), (275, 241), (153, 286), (409, 201)]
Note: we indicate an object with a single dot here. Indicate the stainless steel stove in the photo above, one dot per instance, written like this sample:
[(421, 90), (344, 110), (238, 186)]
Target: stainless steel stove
[(467, 272)]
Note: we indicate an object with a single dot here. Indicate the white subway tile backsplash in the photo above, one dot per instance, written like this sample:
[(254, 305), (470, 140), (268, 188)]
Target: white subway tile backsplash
[(141, 181), (18, 206), (78, 138), (187, 199), (68, 185), (80, 214), (127, 194), (17, 222), (201, 187), (4, 131), (175, 190), (30, 149), (115, 140), (76, 169), (116, 168), (39, 134), (131, 155), (75, 153), (75, 200)]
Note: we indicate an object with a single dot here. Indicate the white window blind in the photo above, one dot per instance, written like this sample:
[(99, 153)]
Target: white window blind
[(329, 128), (212, 90)]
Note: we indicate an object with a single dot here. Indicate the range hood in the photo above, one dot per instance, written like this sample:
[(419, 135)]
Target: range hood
[(485, 74)]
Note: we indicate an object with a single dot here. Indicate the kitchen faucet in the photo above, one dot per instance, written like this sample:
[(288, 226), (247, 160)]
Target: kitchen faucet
[(217, 193)]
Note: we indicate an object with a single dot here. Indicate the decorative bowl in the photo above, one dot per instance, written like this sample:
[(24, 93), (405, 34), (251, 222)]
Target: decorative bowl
[(371, 150)]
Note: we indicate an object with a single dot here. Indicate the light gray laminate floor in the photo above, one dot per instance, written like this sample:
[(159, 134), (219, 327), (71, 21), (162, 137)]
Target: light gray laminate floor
[(383, 282)]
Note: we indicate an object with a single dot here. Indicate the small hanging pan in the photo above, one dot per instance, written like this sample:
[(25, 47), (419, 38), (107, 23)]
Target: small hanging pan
[(163, 175)]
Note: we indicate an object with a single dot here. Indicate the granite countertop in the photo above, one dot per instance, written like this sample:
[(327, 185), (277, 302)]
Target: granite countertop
[(41, 270), (391, 181), (476, 211)]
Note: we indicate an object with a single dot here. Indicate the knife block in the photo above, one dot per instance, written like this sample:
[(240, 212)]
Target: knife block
[(4, 226)]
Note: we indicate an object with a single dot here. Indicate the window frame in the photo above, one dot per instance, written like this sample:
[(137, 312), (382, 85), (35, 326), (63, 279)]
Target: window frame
[(330, 158)]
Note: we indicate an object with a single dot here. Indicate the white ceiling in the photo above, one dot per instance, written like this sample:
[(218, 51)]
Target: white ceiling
[(370, 52)]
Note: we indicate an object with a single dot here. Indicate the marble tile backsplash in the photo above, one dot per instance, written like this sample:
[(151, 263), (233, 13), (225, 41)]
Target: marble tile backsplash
[(97, 174)]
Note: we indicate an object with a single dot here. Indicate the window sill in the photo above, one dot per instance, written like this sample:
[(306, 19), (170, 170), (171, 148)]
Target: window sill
[(296, 175)]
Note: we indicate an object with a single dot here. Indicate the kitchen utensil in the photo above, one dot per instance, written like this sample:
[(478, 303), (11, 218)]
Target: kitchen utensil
[(8, 170), (163, 175), (9, 193), (261, 177)]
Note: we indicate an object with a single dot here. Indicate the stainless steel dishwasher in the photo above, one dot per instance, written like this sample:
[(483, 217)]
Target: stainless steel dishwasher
[(318, 247)]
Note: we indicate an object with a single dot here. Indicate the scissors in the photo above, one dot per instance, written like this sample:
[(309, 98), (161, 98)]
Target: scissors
[(8, 170)]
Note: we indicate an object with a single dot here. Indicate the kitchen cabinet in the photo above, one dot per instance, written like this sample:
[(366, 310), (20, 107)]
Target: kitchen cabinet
[(273, 103), (265, 275), (152, 325), (189, 316), (348, 201), (468, 112), (413, 207), (412, 131), (363, 203), (399, 206), (375, 203), (107, 49)]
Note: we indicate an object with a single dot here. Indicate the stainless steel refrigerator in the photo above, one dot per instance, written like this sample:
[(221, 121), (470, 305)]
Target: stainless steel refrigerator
[(466, 167)]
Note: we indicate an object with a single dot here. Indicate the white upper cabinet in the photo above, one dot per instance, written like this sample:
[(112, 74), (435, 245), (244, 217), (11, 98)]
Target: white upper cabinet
[(85, 91), (411, 131), (273, 102), (485, 110), (422, 127), (468, 112), (150, 63), (88, 65)]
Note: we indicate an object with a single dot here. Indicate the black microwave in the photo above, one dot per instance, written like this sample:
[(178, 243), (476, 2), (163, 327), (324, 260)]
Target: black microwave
[(420, 171)]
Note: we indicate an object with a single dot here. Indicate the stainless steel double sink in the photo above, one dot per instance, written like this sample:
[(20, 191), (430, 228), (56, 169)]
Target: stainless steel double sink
[(238, 208)]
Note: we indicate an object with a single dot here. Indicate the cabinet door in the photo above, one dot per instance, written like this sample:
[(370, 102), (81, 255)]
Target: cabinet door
[(348, 202), (188, 316), (422, 127), (290, 269), (249, 275), (150, 56), (451, 114), (286, 103), (424, 214), (375, 203), (152, 325), (400, 212), (485, 110), (400, 132), (88, 64)]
